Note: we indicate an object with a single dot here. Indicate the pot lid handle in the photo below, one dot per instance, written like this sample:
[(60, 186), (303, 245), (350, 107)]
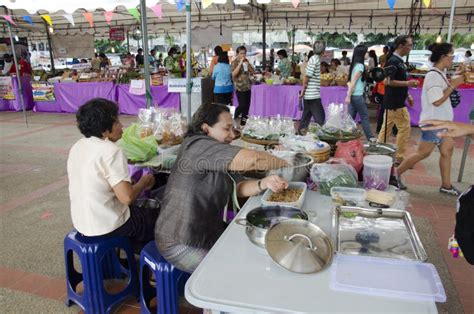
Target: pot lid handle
[(311, 246)]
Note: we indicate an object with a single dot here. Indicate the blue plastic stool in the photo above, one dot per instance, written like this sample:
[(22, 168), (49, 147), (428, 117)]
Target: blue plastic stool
[(99, 261), (170, 281)]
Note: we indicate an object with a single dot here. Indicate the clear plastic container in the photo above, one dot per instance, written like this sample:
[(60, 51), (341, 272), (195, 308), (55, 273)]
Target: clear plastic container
[(349, 194), (387, 277), (377, 171), (298, 204)]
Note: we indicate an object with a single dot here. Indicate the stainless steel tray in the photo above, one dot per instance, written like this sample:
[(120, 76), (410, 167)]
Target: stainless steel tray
[(387, 232)]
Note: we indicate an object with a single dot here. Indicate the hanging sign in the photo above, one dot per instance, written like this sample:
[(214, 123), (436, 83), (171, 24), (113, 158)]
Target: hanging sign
[(117, 33), (43, 92), (6, 88)]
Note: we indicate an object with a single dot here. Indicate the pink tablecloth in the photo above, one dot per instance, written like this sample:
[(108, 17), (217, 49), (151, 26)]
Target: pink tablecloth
[(130, 103), (15, 104), (271, 100)]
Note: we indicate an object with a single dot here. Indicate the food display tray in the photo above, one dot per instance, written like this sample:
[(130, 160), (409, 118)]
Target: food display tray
[(258, 141), (386, 233)]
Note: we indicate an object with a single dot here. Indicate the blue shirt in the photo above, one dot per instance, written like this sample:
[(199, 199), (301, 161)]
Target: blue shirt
[(359, 86), (222, 76)]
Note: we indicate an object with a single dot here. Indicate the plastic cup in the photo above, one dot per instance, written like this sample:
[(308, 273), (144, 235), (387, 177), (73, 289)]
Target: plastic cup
[(377, 171), (246, 66)]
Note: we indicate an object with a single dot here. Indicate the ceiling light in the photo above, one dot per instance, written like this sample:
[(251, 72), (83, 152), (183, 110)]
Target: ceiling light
[(220, 1), (51, 30), (264, 1), (439, 39), (241, 2), (16, 38), (113, 50)]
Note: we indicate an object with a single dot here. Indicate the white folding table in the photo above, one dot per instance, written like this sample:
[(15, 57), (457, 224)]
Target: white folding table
[(237, 276)]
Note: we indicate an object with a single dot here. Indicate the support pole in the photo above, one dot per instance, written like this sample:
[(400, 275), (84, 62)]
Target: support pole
[(189, 71), (128, 41), (18, 77), (264, 38), (293, 46), (146, 61), (451, 17), (51, 57)]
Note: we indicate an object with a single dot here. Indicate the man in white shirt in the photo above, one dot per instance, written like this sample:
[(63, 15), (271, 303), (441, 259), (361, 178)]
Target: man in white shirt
[(7, 63)]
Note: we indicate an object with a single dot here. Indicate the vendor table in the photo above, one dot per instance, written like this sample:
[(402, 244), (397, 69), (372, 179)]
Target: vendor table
[(237, 276), (15, 104), (130, 103), (271, 100)]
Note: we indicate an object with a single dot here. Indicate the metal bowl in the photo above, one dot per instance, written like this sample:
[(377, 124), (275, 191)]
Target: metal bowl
[(298, 170)]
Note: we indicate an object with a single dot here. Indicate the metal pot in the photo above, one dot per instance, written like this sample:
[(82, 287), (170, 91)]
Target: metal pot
[(373, 148), (298, 170), (260, 219)]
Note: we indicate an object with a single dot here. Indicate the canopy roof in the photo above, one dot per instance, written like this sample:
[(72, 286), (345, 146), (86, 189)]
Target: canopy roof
[(312, 15)]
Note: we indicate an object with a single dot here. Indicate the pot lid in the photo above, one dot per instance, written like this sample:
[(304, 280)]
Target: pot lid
[(373, 148), (299, 246)]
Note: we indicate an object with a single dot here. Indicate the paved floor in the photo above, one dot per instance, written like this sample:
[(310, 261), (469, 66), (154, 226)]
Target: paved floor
[(34, 212)]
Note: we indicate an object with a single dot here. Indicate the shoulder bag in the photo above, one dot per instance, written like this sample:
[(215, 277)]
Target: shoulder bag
[(455, 96)]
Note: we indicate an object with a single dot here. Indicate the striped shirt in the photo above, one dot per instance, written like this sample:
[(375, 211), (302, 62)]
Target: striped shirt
[(313, 71)]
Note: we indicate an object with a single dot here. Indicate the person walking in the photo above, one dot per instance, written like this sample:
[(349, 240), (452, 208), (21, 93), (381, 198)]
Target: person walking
[(355, 93), (396, 93), (436, 104), (311, 89), (222, 76), (241, 72)]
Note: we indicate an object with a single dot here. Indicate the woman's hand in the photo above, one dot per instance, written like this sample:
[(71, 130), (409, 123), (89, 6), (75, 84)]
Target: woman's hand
[(347, 100), (457, 80), (148, 181), (411, 101), (274, 183), (450, 129)]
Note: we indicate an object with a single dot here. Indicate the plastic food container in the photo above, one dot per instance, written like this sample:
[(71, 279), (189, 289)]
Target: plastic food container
[(298, 204), (377, 171), (349, 194)]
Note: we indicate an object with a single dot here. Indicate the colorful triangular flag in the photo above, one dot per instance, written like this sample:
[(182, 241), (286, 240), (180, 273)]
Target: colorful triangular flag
[(180, 4), (47, 18), (69, 18), (426, 3), (391, 4), (295, 3), (134, 12), (206, 3), (108, 16), (9, 19), (89, 18), (28, 19), (157, 10)]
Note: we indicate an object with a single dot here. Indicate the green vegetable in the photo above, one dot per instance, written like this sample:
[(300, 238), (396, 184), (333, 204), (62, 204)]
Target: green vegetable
[(346, 180), (136, 148), (349, 214)]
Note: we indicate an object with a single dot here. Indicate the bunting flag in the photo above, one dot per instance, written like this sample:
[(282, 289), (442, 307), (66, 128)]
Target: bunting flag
[(295, 3), (205, 3), (69, 18), (426, 3), (89, 18), (47, 18), (28, 19), (391, 4), (134, 12), (180, 4), (108, 16), (9, 19), (157, 10)]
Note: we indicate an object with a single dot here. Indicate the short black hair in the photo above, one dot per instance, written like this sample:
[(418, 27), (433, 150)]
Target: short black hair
[(172, 50), (282, 52), (401, 40), (344, 52), (207, 113), (439, 50), (102, 55), (468, 53), (96, 116), (241, 48), (223, 57), (217, 50)]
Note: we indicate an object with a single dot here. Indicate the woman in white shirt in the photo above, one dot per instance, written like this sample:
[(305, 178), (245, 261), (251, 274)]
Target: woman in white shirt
[(436, 105), (100, 187)]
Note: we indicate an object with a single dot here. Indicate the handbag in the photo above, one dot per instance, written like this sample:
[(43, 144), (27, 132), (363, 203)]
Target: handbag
[(455, 96)]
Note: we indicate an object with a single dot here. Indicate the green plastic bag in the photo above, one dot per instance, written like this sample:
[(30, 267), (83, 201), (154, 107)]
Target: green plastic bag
[(136, 148)]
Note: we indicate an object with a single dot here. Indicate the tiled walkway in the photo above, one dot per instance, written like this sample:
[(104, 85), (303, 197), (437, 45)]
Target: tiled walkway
[(16, 141)]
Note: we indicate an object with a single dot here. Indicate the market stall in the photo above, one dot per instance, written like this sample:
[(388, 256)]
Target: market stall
[(130, 103), (9, 92), (271, 100)]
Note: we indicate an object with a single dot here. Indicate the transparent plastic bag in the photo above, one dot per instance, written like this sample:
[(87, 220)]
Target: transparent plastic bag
[(135, 147), (339, 123), (334, 172)]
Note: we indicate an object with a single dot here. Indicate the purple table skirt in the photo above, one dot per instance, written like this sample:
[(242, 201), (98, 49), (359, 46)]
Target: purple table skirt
[(15, 104), (129, 103), (271, 100), (71, 96)]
